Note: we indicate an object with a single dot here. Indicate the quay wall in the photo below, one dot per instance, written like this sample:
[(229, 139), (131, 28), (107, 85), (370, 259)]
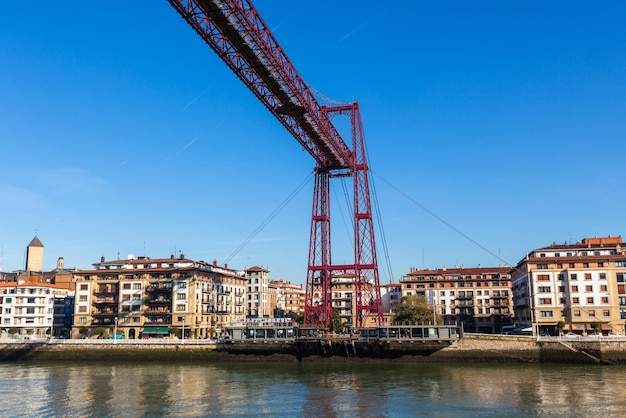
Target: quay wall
[(471, 348)]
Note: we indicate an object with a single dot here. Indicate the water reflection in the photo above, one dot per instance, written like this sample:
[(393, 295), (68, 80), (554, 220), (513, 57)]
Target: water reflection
[(329, 390)]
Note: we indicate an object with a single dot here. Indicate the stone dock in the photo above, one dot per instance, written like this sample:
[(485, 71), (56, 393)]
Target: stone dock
[(470, 348)]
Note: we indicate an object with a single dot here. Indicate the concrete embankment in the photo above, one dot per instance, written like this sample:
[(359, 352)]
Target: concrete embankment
[(471, 348), (497, 348)]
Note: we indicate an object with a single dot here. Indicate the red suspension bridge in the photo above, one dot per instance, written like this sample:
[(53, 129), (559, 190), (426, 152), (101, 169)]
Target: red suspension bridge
[(240, 37)]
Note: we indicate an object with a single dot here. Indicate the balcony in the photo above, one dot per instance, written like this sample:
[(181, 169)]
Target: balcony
[(159, 301), (104, 301), (160, 287), (157, 312), (106, 291), (158, 321), (103, 313)]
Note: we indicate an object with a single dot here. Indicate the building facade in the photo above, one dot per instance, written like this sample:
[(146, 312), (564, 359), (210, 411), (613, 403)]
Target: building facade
[(579, 286), (257, 292), (143, 297), (479, 298), (290, 297), (30, 309)]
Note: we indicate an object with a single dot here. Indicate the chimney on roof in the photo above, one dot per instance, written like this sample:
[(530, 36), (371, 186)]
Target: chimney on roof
[(226, 266), (102, 259), (182, 256), (172, 256), (214, 263)]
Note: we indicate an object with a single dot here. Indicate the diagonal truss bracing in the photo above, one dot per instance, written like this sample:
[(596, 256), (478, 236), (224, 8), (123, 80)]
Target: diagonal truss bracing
[(235, 31)]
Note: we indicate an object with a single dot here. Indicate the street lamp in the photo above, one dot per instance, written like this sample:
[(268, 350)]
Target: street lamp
[(115, 331), (183, 333)]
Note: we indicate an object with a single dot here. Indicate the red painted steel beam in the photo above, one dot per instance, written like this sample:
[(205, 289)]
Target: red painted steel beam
[(236, 32)]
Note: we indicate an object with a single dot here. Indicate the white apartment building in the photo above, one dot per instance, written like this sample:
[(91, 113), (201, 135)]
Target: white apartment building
[(580, 286), (29, 308), (257, 292)]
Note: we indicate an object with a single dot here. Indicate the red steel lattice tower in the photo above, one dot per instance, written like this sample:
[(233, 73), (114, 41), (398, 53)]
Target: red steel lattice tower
[(236, 32)]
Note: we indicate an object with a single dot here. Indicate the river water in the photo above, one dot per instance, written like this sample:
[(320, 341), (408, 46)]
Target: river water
[(311, 389)]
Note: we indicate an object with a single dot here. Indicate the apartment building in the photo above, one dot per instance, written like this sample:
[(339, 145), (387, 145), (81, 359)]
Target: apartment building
[(257, 292), (290, 296), (31, 309), (580, 286), (143, 297), (480, 298)]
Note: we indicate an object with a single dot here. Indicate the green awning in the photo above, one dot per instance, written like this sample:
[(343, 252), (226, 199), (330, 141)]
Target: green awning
[(156, 330)]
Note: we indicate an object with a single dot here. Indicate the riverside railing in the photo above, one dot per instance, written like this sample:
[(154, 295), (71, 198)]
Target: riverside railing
[(103, 342)]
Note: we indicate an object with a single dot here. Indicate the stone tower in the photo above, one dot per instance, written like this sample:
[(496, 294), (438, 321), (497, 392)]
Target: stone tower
[(34, 256)]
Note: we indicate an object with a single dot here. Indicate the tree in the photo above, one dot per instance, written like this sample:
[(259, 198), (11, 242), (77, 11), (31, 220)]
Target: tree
[(414, 308), (337, 325), (83, 331), (297, 317), (212, 332), (13, 331), (596, 326), (101, 332)]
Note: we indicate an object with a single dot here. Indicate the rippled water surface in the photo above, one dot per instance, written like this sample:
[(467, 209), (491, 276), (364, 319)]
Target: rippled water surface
[(339, 390)]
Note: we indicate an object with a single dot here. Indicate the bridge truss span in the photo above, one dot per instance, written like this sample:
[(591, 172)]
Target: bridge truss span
[(240, 37)]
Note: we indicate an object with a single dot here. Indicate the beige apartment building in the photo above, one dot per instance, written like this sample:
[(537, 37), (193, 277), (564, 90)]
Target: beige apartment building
[(290, 296), (143, 297), (479, 298), (580, 286)]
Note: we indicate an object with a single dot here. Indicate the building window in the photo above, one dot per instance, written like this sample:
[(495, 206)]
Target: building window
[(606, 313), (181, 296), (587, 276), (137, 286), (621, 277), (82, 298), (542, 266), (82, 320), (605, 299), (573, 276), (545, 314), (592, 313), (84, 287), (590, 299), (588, 288), (575, 300), (180, 307), (126, 286), (545, 301), (577, 313), (543, 277), (544, 289), (574, 288), (603, 288)]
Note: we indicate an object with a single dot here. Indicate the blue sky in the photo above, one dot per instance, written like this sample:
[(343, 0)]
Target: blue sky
[(122, 132)]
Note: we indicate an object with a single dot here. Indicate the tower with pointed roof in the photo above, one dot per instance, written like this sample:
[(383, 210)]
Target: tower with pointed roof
[(34, 255)]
